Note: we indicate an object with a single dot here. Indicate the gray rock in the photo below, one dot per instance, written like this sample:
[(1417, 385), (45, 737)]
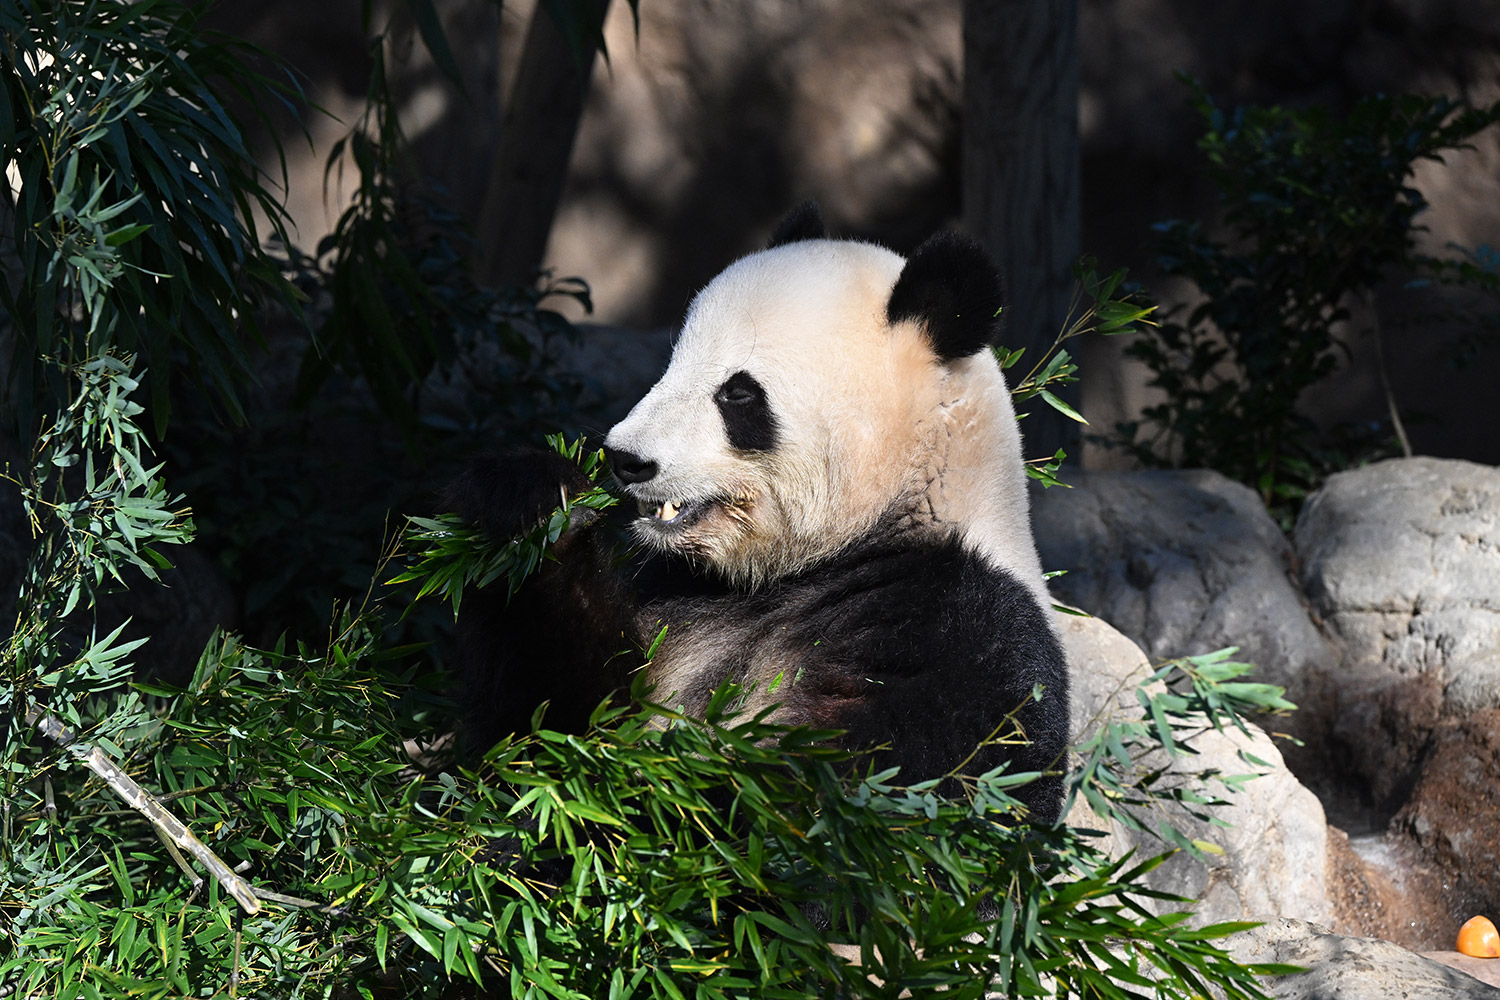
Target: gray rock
[(1104, 665), (1186, 562), (1275, 856), (1401, 559), (1349, 968)]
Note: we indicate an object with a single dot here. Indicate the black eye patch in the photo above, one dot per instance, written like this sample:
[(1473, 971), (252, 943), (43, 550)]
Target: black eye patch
[(748, 420)]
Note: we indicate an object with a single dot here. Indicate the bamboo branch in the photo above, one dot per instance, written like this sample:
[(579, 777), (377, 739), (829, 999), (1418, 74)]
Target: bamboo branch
[(299, 902), (234, 970), (187, 869), (167, 825)]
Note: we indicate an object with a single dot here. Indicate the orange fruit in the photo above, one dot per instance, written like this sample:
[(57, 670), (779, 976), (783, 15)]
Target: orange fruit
[(1478, 938)]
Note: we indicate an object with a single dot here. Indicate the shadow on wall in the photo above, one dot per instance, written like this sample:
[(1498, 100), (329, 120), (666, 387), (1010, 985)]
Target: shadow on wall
[(700, 132), (695, 142)]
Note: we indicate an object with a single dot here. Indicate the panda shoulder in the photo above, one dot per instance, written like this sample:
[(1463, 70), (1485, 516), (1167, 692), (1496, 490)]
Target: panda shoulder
[(951, 588), (993, 593)]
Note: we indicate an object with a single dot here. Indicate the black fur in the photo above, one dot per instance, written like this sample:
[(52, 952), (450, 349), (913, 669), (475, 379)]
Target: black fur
[(748, 420), (912, 645), (804, 222), (513, 655), (916, 647), (951, 287)]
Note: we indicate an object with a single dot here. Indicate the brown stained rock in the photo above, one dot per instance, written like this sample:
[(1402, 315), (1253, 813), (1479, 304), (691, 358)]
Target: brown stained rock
[(1382, 888), (1401, 561), (1384, 730), (1453, 816), (1365, 903)]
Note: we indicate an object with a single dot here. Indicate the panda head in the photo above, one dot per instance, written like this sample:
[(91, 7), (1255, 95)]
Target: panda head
[(820, 390)]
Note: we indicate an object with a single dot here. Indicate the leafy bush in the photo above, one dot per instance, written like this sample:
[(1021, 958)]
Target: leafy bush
[(1321, 211), (132, 178), (133, 235), (295, 502), (405, 365), (401, 304)]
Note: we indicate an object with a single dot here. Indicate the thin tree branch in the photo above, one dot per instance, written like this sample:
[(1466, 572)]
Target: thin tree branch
[(167, 825), (1385, 379)]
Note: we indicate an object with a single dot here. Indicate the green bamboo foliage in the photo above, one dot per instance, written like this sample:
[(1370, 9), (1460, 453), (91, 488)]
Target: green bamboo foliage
[(135, 195), (1102, 304), (656, 857)]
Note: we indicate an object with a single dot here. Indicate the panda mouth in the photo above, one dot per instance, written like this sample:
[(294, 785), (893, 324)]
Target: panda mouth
[(677, 514), (672, 513), (665, 511)]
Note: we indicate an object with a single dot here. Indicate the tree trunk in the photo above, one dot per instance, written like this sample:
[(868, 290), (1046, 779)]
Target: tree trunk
[(1020, 175), (536, 143)]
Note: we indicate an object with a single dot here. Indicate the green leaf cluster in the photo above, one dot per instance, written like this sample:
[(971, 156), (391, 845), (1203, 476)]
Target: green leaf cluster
[(450, 555), (99, 510), (136, 195), (1320, 209), (1102, 304), (1123, 773), (656, 856)]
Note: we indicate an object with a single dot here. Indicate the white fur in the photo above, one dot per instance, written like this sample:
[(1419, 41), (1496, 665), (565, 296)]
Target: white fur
[(870, 422)]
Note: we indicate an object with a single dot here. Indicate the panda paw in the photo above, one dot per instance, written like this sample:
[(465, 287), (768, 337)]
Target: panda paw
[(505, 493)]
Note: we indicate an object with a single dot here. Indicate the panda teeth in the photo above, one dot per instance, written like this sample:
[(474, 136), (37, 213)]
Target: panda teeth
[(665, 512)]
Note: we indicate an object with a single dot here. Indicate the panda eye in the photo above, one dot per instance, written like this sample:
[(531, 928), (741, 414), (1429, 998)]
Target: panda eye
[(748, 421), (730, 394)]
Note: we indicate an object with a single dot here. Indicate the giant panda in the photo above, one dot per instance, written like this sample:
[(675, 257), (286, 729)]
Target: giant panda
[(832, 511)]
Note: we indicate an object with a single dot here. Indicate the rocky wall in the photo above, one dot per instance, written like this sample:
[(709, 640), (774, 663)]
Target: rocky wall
[(1381, 617)]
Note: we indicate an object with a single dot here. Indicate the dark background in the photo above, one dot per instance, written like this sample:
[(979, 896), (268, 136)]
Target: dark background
[(700, 131)]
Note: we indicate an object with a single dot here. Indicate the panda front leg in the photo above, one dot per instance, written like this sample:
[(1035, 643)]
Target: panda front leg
[(559, 639)]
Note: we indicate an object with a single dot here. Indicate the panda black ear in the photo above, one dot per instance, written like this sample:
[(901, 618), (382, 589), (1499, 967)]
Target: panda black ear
[(949, 285), (804, 222)]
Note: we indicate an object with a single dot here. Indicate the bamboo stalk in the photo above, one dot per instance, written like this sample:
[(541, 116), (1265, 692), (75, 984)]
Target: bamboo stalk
[(169, 827)]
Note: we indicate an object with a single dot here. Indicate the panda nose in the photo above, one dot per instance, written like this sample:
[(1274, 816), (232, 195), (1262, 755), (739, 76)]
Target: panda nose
[(629, 468)]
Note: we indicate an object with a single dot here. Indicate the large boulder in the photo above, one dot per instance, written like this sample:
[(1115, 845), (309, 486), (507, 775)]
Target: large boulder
[(1394, 655), (1281, 863), (1275, 850), (1401, 560), (1186, 562)]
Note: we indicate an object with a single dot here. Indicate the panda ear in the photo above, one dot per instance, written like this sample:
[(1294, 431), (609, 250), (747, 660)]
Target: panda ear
[(951, 287), (804, 222)]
